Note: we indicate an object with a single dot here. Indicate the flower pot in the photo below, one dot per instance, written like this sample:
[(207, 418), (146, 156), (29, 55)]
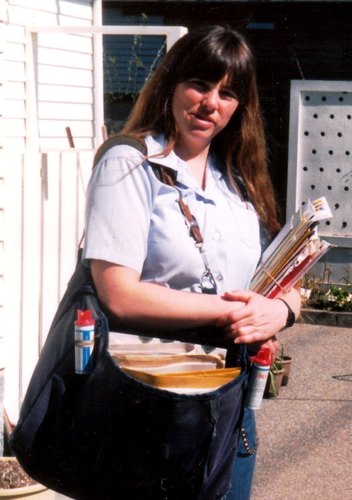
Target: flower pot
[(285, 362), (32, 491)]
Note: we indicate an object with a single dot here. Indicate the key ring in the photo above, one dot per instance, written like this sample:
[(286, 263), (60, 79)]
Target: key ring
[(207, 283)]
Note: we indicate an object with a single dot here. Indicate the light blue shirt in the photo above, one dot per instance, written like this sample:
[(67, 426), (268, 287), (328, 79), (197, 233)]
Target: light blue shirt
[(134, 220)]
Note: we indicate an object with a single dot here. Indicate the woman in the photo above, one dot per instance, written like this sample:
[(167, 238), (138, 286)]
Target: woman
[(199, 116)]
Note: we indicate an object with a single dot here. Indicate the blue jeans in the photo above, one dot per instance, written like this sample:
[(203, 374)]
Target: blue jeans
[(243, 469)]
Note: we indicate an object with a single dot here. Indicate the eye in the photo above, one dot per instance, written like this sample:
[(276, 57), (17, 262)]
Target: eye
[(199, 85), (227, 93)]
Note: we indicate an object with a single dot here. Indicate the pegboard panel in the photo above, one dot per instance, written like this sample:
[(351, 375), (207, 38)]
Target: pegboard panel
[(320, 153)]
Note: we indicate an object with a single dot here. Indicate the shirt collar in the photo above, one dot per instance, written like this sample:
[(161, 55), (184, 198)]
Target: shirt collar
[(155, 146)]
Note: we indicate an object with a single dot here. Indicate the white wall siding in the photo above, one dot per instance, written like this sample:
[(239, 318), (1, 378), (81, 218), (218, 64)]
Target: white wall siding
[(53, 12), (48, 62), (28, 14), (14, 85)]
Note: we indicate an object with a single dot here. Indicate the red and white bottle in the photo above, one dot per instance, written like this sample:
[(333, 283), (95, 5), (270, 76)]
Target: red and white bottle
[(261, 363), (84, 341)]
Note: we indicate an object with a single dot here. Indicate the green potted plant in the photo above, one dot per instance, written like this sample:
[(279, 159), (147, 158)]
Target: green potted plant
[(274, 381)]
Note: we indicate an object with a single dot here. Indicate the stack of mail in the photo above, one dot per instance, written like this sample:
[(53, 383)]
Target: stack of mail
[(293, 252)]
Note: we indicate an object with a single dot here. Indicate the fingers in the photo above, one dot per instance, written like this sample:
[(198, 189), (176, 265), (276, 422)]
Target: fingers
[(251, 337), (240, 316), (272, 344), (239, 295)]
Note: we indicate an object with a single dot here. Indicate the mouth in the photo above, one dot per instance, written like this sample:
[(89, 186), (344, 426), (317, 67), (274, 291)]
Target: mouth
[(203, 118)]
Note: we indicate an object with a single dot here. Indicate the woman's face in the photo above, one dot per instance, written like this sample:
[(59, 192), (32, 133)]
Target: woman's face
[(201, 110)]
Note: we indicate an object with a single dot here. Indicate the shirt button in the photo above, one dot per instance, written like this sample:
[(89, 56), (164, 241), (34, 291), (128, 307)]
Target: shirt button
[(219, 277), (217, 236)]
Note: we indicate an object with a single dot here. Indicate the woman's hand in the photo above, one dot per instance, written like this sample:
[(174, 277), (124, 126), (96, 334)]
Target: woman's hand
[(259, 318)]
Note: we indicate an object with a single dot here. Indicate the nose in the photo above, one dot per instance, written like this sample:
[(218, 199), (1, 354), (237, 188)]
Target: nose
[(211, 99)]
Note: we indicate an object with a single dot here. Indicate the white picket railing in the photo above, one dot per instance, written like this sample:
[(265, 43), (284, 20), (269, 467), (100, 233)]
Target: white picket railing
[(43, 208)]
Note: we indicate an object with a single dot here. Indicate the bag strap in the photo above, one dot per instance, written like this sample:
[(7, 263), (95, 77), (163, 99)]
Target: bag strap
[(119, 140)]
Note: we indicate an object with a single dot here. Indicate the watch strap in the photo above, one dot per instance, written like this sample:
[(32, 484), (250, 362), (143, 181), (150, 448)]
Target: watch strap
[(291, 318)]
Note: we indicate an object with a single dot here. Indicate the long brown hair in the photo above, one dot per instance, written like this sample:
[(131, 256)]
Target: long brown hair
[(212, 53)]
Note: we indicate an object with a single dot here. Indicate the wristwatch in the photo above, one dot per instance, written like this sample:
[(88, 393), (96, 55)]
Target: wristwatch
[(291, 318)]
